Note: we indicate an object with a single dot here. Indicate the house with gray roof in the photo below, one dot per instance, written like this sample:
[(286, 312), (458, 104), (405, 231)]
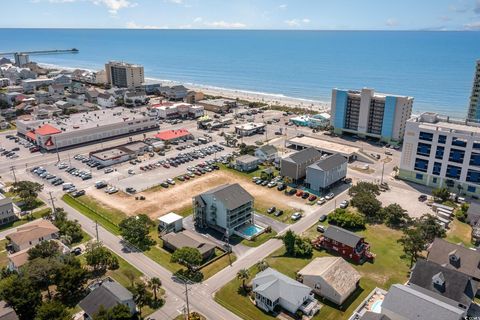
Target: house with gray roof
[(247, 163), (272, 289), (451, 286), (295, 165), (455, 257), (108, 294), (266, 153), (173, 241), (224, 208), (405, 303), (323, 174), (6, 211)]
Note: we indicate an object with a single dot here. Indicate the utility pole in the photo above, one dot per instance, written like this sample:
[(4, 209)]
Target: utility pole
[(96, 230), (51, 199), (13, 172), (383, 169)]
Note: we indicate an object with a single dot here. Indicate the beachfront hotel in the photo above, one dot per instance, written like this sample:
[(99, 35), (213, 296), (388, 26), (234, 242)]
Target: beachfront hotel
[(124, 75), (441, 152), (474, 108), (369, 114)]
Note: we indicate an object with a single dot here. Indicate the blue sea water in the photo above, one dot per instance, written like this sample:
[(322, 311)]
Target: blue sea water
[(434, 67)]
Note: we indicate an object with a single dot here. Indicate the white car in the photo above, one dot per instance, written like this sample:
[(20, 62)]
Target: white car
[(108, 170), (296, 216), (321, 201), (170, 181), (130, 171), (330, 196)]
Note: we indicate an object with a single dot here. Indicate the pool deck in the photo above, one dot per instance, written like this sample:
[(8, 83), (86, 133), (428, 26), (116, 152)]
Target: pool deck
[(242, 231), (376, 295)]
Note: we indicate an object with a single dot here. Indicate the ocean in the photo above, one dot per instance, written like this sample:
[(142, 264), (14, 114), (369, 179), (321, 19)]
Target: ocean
[(436, 68)]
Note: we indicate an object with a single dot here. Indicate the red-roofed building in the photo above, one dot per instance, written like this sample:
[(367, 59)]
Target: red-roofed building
[(47, 129), (173, 135)]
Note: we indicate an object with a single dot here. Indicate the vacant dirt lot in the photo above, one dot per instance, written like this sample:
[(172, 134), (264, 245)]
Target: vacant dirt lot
[(162, 201)]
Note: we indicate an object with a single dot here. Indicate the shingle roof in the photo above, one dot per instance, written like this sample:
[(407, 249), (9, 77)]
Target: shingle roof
[(374, 316), (268, 149), (304, 155), (329, 163), (5, 201), (231, 195), (108, 295), (105, 96), (412, 304), (247, 159), (468, 262), (456, 285), (186, 239), (338, 273), (33, 231), (343, 236)]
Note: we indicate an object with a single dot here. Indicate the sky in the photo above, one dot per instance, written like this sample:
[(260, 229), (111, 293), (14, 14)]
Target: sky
[(244, 14)]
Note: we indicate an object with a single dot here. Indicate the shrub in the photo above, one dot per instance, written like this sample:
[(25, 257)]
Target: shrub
[(345, 219)]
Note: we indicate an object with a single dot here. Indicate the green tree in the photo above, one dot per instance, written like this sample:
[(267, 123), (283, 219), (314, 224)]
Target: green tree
[(188, 257), (289, 242), (53, 309), (42, 272), (413, 243), (262, 265), (430, 228), (44, 249), (70, 229), (395, 216), (136, 231), (141, 295), (345, 219), (20, 294), (70, 281), (155, 284), (28, 192), (441, 193), (362, 187), (100, 258), (367, 204), (243, 275), (118, 312)]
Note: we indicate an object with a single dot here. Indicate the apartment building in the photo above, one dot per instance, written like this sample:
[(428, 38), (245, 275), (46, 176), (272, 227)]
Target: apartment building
[(225, 208), (441, 152), (124, 75), (370, 114), (85, 127), (474, 108)]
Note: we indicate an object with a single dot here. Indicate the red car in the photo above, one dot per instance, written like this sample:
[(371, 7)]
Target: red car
[(166, 166), (186, 177), (312, 198), (299, 193)]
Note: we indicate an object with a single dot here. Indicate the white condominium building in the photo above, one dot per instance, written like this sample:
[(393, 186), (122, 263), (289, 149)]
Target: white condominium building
[(440, 152)]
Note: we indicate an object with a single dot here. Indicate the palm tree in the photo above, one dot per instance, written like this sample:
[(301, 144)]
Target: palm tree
[(155, 284), (243, 275), (262, 265)]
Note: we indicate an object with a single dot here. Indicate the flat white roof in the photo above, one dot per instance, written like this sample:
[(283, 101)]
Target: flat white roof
[(327, 146), (170, 218)]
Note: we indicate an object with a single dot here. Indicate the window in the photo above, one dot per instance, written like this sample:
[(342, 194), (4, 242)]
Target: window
[(459, 142), (473, 176), (472, 189), (442, 139), (476, 145), (453, 172), (421, 165), (426, 136), (437, 167), (423, 149), (439, 153), (456, 155), (419, 176), (475, 159), (434, 180)]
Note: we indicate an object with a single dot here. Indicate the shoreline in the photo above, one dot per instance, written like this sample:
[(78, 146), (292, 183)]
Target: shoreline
[(252, 96)]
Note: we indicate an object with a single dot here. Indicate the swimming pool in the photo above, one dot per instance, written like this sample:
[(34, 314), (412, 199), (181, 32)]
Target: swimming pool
[(249, 231), (377, 306)]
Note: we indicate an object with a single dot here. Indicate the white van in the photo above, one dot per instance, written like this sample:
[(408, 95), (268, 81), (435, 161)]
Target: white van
[(67, 185)]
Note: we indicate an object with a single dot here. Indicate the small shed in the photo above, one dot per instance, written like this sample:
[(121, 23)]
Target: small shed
[(170, 222)]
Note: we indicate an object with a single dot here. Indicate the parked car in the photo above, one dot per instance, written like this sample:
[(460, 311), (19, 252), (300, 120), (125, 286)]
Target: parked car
[(76, 251), (281, 187), (321, 201), (312, 197), (170, 181), (291, 192), (344, 204), (330, 196), (322, 218), (130, 190), (278, 213), (271, 210), (347, 180), (320, 228), (422, 198), (108, 170), (78, 193), (296, 216), (164, 184), (299, 193), (305, 195)]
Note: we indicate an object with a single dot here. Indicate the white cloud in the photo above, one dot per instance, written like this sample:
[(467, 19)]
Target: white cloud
[(176, 1), (282, 6), (225, 25), (297, 22), (134, 25), (472, 26), (198, 19), (391, 22), (115, 5)]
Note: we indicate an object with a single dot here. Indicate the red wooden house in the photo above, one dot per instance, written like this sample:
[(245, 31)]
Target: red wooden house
[(349, 245)]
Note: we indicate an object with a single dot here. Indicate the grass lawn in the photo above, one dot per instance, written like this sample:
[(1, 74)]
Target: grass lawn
[(387, 269), (3, 253), (217, 265), (262, 208), (17, 223), (460, 232), (109, 219), (249, 175), (261, 239), (185, 212)]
